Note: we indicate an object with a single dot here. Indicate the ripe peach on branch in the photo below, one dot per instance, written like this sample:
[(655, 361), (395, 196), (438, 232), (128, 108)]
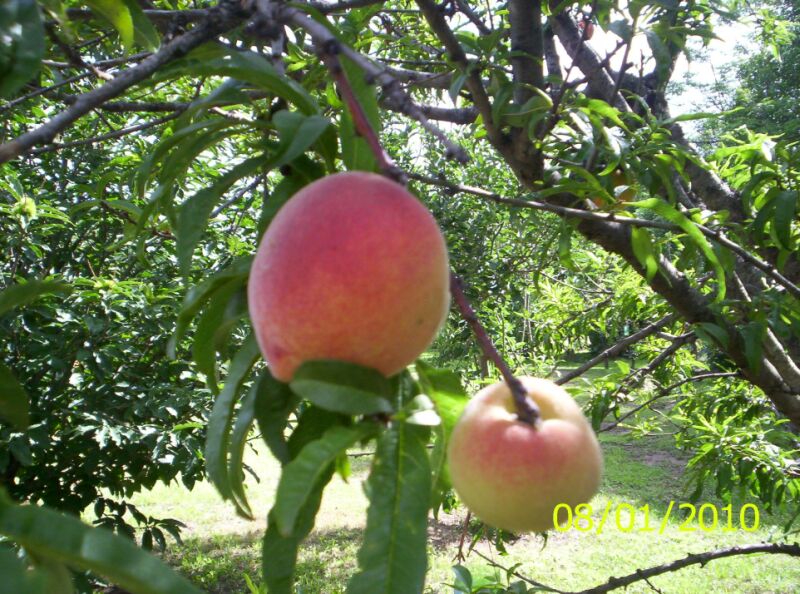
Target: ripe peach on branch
[(513, 474), (353, 268)]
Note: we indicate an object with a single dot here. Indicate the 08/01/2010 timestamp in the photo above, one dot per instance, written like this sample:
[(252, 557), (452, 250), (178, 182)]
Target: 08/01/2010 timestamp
[(706, 517)]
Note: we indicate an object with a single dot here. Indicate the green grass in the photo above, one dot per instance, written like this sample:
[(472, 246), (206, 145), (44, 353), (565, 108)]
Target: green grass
[(220, 548)]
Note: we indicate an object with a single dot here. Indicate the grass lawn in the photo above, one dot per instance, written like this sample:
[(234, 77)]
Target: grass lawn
[(220, 548)]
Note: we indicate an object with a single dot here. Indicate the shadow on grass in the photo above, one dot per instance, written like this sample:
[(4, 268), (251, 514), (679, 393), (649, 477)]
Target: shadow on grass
[(652, 471)]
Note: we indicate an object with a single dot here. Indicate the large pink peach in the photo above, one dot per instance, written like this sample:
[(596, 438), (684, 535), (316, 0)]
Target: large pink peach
[(352, 268), (512, 475)]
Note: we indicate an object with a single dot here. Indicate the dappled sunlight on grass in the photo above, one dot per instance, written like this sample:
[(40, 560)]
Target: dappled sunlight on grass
[(221, 548)]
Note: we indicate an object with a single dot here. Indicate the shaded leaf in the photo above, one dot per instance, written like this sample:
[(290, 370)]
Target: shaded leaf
[(204, 347), (194, 212), (24, 293), (303, 472), (65, 539), (393, 556), (241, 429), (21, 44), (117, 13), (667, 211), (342, 387), (644, 251), (356, 153), (221, 419), (14, 403), (274, 402), (199, 294)]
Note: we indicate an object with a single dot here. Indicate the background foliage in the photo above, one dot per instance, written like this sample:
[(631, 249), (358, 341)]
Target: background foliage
[(146, 146)]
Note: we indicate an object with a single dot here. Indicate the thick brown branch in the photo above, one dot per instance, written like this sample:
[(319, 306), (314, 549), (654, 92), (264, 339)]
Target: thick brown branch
[(613, 234), (588, 215), (527, 47)]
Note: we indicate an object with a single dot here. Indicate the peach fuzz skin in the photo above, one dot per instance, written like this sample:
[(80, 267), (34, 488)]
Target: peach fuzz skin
[(513, 475), (353, 268)]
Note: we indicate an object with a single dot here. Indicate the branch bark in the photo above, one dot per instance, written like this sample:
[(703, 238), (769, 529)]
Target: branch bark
[(618, 348), (219, 20), (792, 549)]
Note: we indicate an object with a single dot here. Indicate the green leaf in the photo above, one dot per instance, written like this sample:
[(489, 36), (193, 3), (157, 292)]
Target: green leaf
[(18, 579), (605, 110), (14, 403), (61, 538), (274, 403), (297, 133), (661, 53), (241, 429), (393, 556), (565, 247), (279, 553), (221, 419), (665, 210), (246, 66), (204, 347), (22, 44), (160, 153), (303, 472), (753, 337), (644, 251), (356, 153), (713, 334), (444, 388), (117, 13), (342, 387), (193, 213), (143, 31), (302, 171), (456, 86), (785, 209), (199, 294), (24, 293)]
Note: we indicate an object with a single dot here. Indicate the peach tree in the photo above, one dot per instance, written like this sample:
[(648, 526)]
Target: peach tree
[(577, 213)]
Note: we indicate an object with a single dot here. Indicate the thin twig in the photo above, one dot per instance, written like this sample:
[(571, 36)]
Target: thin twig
[(527, 411), (617, 348), (108, 136), (220, 19), (394, 95), (588, 215), (792, 549), (329, 52), (509, 571), (665, 391)]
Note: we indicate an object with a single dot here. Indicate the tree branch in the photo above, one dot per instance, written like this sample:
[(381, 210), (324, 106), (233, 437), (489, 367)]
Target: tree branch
[(393, 93), (792, 549), (433, 14), (219, 20), (527, 47), (584, 57), (618, 348), (666, 391), (108, 136), (527, 411)]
